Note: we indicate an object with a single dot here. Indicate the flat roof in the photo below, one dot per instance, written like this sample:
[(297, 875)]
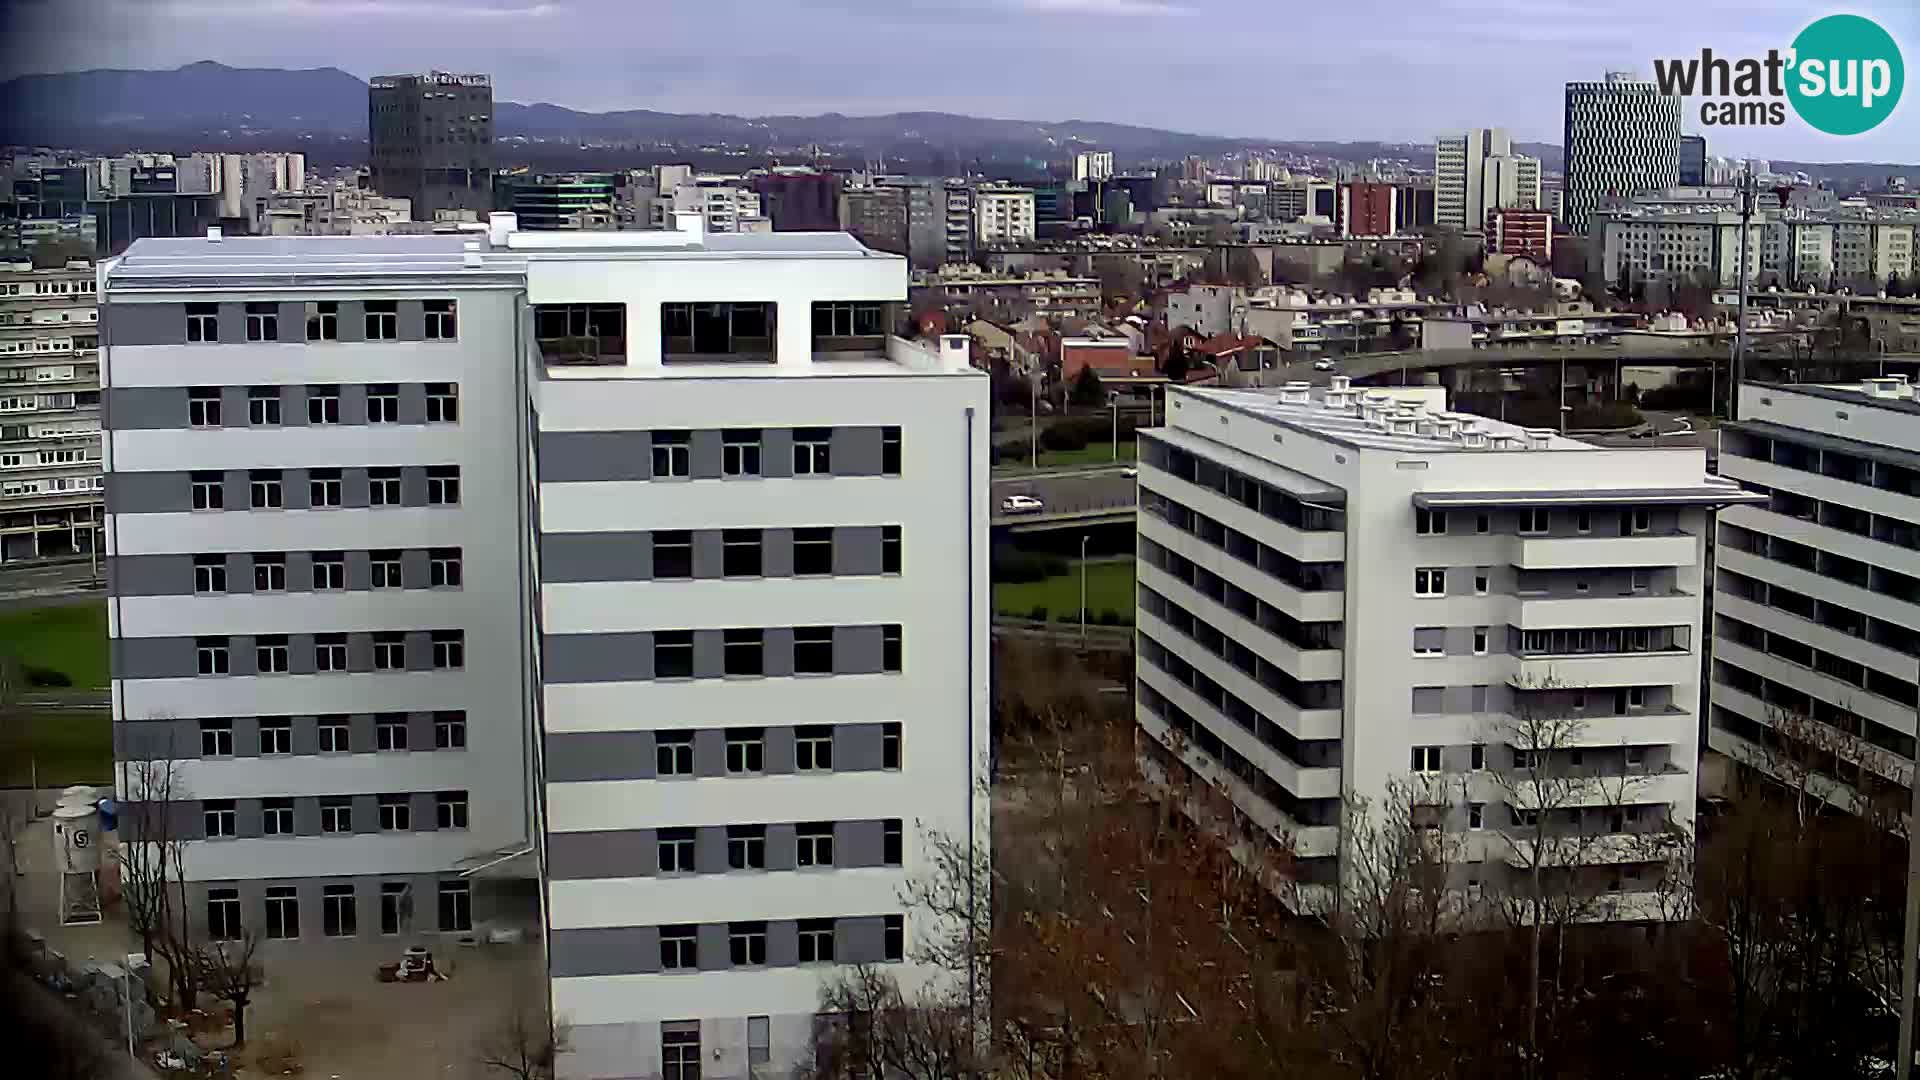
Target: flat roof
[(1708, 493), (1851, 393), (1287, 480), (1346, 427), (1889, 455)]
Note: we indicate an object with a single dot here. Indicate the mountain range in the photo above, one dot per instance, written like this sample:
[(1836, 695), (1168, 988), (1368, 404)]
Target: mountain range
[(210, 106)]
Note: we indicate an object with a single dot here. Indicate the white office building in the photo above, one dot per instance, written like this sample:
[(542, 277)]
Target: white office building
[(1093, 165), (50, 478), (1003, 215), (1817, 593), (1477, 172), (1345, 591), (1622, 137), (626, 586)]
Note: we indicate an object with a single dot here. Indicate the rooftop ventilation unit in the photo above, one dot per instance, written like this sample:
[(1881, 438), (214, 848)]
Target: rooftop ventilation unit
[(1295, 393), (1538, 438), (1341, 383), (1888, 387)]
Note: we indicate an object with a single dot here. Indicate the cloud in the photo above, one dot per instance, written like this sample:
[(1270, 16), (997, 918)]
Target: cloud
[(345, 9), (1124, 8)]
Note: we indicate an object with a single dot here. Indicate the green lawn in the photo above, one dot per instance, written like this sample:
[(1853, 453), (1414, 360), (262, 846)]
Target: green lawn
[(67, 637), (1109, 588), (55, 749), (1091, 454)]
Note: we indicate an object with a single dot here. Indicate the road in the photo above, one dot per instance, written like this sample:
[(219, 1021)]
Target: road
[(45, 581), (1076, 492)]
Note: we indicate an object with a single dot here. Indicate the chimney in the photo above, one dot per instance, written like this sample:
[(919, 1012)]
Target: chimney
[(956, 351), (500, 226), (213, 234)]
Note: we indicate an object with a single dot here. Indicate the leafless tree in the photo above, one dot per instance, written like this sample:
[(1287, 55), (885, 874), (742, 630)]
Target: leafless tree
[(229, 971), (868, 1028), (152, 884), (524, 1044)]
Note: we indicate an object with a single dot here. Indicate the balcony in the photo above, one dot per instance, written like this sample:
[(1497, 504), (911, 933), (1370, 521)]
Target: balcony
[(1638, 609), (1594, 552), (1662, 667), (1670, 786)]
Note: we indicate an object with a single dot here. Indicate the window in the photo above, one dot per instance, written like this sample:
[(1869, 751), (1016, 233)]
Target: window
[(759, 1040), (383, 403), (894, 938), (1582, 521), (203, 406), (449, 650), (746, 750), (1426, 759), (1429, 641), (203, 322), (679, 948), (889, 549), (337, 916), (283, 912), (747, 943), (383, 320), (1476, 815), (740, 452), (334, 735), (389, 651), (747, 847), (891, 650), (673, 654), (1637, 581), (1479, 756), (890, 746), (443, 485), (443, 403), (323, 404), (450, 810), (1534, 521), (263, 489), (813, 650), (270, 655), (219, 818), (672, 554), (1636, 757), (813, 748), (816, 941), (276, 735), (336, 815), (396, 901), (390, 732), (1430, 522), (383, 487), (1429, 581), (263, 322), (456, 907), (384, 567), (209, 574), (893, 841), (324, 487), (815, 842), (263, 406), (441, 325), (673, 753), (812, 451), (396, 813), (812, 551), (1480, 641), (209, 492), (269, 573), (1525, 759), (1639, 521), (223, 915), (680, 1050), (276, 817), (890, 451), (216, 738), (1483, 523), (449, 731), (849, 319), (323, 320), (740, 556), (671, 454), (329, 570)]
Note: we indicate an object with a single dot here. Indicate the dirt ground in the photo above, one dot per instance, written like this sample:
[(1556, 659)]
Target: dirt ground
[(321, 1008)]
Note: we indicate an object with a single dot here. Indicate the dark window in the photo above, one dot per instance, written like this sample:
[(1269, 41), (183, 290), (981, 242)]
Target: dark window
[(441, 325), (747, 847), (743, 652), (673, 753), (396, 813), (283, 912), (385, 568), (203, 406), (746, 750), (581, 333), (209, 574), (323, 320), (890, 746), (336, 815), (450, 730), (812, 451), (263, 406), (210, 655), (895, 938), (323, 404), (680, 1050), (203, 322), (679, 948), (443, 403), (330, 652), (218, 817), (740, 452), (335, 736), (270, 654), (747, 943), (813, 650), (325, 487), (449, 649), (216, 738), (263, 489), (741, 553), (672, 554), (383, 320), (443, 568), (329, 570), (890, 553), (383, 403), (389, 651), (263, 322), (276, 735), (390, 731), (848, 319), (890, 451), (813, 748), (671, 450), (893, 842), (337, 915), (209, 491), (816, 941), (443, 485), (742, 330), (450, 810), (456, 907), (812, 551), (269, 573), (891, 648), (223, 914), (673, 654)]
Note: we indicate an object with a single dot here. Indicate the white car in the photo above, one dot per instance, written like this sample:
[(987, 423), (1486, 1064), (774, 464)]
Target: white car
[(1323, 365), (1129, 471), (1020, 504)]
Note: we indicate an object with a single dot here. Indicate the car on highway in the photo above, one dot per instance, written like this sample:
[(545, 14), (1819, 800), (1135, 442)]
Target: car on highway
[(1021, 504), (1323, 365), (1129, 472)]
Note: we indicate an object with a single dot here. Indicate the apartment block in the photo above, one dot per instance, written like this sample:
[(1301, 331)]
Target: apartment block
[(1003, 214), (630, 588), (1622, 136), (1817, 587), (1346, 594), (50, 473)]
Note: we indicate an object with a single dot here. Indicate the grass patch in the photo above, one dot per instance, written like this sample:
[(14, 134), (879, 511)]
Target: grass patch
[(1091, 454), (1109, 588), (70, 638), (55, 749)]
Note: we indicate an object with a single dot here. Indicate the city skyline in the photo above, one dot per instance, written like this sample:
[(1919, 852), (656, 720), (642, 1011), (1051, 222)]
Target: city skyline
[(1085, 56)]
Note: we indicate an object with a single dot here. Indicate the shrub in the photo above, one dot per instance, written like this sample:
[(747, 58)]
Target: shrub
[(1676, 397), (43, 677), (1062, 437), (1111, 618), (1038, 614), (1018, 567)]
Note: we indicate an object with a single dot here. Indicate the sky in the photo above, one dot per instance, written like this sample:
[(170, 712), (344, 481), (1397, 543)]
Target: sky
[(1392, 70)]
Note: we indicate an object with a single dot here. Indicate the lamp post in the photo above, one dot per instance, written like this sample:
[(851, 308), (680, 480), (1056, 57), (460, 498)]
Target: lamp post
[(1033, 421), (1083, 592), (1113, 399)]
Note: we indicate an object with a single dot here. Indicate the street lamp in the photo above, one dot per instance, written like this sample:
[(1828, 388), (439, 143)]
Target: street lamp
[(1034, 379), (1113, 399), (1083, 592)]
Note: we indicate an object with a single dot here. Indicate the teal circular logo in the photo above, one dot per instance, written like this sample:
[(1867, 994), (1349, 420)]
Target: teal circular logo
[(1846, 75)]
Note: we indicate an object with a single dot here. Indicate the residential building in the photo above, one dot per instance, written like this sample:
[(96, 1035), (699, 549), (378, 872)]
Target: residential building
[(1003, 214), (725, 204), (1507, 582), (1693, 160), (570, 201), (1368, 209), (1522, 232), (1622, 136), (1477, 172), (1816, 596), (674, 607), (1092, 165), (958, 221), (878, 217), (799, 199), (431, 141), (50, 472)]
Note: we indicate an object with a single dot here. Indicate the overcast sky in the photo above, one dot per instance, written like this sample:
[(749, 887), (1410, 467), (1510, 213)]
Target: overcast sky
[(1306, 69)]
